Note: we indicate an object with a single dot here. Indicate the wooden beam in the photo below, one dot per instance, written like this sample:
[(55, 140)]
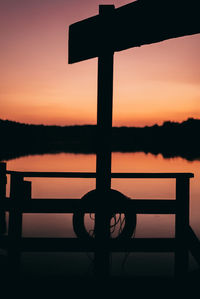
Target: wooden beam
[(77, 245), (194, 245), (140, 206), (132, 25), (93, 175), (103, 158), (181, 227), (15, 226), (153, 175), (3, 182), (45, 174)]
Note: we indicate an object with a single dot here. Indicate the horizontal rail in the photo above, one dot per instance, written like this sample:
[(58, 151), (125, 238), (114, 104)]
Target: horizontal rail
[(114, 245), (153, 175), (33, 174), (139, 206), (93, 175), (78, 245)]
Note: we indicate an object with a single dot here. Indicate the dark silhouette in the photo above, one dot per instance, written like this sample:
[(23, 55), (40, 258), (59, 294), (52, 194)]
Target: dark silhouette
[(3, 181), (132, 25), (20, 201), (171, 139), (100, 36), (122, 226), (161, 26)]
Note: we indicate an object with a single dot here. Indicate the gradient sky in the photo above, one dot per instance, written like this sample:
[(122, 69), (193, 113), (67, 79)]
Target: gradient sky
[(152, 83)]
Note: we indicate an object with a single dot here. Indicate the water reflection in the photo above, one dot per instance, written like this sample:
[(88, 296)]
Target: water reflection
[(60, 225)]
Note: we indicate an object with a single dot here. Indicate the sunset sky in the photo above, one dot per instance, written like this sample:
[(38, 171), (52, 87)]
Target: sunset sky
[(152, 83)]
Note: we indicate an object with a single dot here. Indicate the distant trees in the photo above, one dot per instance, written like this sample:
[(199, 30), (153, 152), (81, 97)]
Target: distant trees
[(170, 139)]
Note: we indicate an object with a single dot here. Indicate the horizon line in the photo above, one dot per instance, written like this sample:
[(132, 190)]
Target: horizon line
[(93, 125)]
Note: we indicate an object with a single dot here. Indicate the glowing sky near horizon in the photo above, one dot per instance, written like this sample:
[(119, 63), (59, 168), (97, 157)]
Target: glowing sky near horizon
[(152, 83)]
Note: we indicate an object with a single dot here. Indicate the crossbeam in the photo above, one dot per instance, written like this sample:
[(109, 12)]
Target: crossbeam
[(125, 175), (139, 206), (77, 245), (135, 24)]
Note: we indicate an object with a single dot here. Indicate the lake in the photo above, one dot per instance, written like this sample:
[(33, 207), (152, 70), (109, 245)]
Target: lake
[(60, 225)]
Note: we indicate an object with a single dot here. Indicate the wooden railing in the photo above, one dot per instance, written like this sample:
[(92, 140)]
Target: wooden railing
[(20, 191), (20, 201)]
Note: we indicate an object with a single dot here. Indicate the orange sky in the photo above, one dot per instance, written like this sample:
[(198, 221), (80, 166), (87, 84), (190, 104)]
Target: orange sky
[(151, 84)]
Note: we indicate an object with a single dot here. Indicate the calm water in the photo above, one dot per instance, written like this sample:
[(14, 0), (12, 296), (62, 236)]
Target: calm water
[(60, 225)]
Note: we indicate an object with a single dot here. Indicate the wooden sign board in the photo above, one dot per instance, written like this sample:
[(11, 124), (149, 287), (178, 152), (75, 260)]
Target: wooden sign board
[(132, 25)]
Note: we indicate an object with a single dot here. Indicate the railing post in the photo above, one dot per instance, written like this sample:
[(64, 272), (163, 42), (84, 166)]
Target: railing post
[(3, 181), (19, 191), (181, 227)]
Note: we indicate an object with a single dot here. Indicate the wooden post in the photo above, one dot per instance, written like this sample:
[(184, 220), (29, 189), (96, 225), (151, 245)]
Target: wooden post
[(3, 181), (104, 106), (181, 227), (19, 191), (103, 164), (194, 245)]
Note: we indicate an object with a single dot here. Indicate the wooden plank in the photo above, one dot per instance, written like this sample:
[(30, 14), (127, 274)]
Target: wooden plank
[(152, 175), (77, 245), (93, 175), (45, 174), (140, 206), (132, 25)]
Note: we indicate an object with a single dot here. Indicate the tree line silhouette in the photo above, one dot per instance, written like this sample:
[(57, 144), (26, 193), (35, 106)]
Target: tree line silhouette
[(170, 139)]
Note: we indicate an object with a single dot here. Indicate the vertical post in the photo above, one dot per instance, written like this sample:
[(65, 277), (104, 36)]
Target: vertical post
[(3, 182), (104, 128), (19, 191), (181, 227), (104, 104)]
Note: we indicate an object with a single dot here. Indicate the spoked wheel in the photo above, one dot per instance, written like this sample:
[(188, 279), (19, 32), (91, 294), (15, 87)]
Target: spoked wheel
[(122, 225)]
